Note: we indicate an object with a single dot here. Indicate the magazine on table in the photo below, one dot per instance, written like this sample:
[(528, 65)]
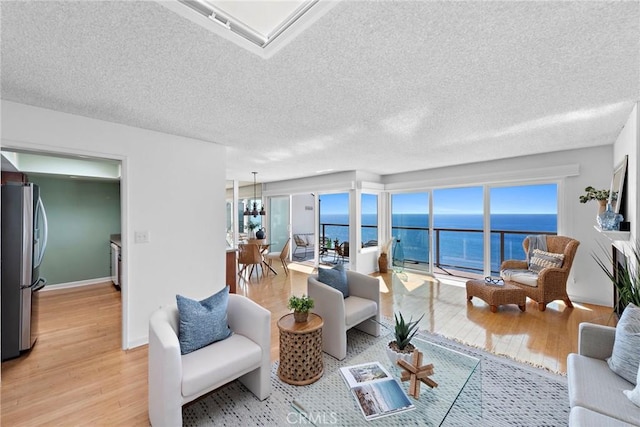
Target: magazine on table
[(377, 393)]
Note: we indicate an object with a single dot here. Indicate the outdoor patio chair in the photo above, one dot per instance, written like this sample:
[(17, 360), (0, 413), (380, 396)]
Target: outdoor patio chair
[(342, 251), (301, 244)]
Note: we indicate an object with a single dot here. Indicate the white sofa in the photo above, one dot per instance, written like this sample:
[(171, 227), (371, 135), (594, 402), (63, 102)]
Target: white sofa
[(176, 379), (361, 309), (595, 391)]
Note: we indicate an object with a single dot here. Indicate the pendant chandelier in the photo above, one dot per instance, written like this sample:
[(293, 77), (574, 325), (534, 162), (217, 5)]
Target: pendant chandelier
[(254, 212)]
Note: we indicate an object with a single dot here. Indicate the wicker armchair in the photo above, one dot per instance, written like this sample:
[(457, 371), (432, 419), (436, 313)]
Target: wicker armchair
[(551, 284)]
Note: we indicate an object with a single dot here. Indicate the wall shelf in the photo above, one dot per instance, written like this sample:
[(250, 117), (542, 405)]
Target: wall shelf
[(614, 235)]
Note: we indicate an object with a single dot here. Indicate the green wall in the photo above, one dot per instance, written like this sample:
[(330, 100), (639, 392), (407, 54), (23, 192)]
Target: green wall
[(82, 215)]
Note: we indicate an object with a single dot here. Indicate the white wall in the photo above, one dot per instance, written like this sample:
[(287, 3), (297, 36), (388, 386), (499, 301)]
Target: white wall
[(172, 187), (303, 221)]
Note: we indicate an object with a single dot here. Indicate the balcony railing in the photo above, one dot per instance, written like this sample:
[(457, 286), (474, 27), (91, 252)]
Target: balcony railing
[(455, 248)]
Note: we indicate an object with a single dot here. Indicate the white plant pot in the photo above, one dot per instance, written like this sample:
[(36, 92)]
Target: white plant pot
[(394, 356)]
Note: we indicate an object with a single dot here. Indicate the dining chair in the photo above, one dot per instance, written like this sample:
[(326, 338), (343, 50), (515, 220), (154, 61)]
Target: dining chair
[(283, 255), (248, 255)]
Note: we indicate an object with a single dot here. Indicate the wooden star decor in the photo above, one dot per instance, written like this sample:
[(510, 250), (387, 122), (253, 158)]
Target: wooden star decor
[(415, 373)]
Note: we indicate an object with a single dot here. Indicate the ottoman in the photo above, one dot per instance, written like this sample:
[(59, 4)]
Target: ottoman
[(496, 295)]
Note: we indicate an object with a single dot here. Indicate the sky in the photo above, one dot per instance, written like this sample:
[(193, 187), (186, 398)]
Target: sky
[(529, 199)]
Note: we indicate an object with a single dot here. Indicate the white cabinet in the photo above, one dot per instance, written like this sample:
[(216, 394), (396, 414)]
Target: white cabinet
[(115, 265)]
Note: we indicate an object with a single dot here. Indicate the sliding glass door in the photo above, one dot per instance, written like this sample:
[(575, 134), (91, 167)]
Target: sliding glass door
[(473, 228), (279, 222), (458, 230), (410, 225)]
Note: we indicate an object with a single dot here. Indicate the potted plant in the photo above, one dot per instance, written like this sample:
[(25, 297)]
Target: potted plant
[(627, 277), (401, 347), (300, 306), (601, 196)]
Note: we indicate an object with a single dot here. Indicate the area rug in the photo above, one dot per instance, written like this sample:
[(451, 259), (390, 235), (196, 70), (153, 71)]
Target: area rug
[(513, 394)]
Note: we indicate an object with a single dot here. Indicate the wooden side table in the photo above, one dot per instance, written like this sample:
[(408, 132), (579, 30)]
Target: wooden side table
[(300, 350)]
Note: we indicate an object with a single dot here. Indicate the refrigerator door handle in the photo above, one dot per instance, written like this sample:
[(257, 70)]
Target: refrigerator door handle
[(45, 232), (41, 283)]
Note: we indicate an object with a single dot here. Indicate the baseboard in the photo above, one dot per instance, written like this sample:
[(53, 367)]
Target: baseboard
[(137, 343), (76, 284), (586, 300)]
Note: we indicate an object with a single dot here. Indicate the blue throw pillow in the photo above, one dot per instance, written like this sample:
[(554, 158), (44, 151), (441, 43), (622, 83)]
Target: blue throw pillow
[(202, 322), (335, 277)]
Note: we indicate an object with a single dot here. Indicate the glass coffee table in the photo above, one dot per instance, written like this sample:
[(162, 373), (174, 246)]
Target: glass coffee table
[(329, 401)]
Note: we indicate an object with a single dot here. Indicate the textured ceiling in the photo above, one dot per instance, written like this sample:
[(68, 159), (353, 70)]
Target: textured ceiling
[(377, 86)]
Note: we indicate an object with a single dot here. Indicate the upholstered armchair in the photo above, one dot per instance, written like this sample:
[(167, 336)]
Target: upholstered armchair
[(550, 283), (176, 379), (360, 310)]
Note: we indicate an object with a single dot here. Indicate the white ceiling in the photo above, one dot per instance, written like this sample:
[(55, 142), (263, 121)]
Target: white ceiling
[(377, 86)]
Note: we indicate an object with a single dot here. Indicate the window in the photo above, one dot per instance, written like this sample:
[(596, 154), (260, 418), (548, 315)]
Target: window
[(334, 217), (369, 220), (517, 212)]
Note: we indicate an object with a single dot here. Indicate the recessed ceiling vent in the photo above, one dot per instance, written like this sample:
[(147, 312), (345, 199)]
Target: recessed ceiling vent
[(262, 27)]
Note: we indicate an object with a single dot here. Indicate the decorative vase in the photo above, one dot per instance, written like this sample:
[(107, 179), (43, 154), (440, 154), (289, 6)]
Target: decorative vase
[(609, 220), (300, 316), (383, 263), (260, 234), (602, 205), (398, 257)]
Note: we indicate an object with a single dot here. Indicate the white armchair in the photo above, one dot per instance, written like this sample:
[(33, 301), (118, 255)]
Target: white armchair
[(176, 379), (360, 310)]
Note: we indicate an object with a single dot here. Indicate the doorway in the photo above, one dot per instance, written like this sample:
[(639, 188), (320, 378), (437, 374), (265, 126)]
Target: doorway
[(84, 201)]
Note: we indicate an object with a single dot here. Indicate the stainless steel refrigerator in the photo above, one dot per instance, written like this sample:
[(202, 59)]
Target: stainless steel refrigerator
[(24, 240)]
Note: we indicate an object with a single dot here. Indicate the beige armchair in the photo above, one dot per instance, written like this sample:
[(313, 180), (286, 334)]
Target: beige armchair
[(176, 379), (360, 310), (551, 283)]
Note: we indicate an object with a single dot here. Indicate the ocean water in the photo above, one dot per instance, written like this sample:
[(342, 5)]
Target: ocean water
[(458, 238)]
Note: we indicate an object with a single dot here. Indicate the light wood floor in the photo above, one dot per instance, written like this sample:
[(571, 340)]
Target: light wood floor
[(78, 375)]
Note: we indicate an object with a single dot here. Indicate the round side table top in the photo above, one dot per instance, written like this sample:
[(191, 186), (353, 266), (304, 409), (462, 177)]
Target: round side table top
[(288, 324)]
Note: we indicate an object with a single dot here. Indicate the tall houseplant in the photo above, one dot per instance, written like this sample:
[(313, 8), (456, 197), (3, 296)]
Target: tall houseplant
[(625, 278)]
